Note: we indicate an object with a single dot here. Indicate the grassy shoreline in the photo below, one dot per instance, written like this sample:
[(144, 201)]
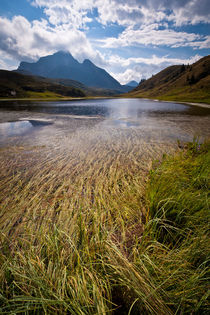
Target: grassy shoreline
[(54, 98), (139, 245), (170, 98), (162, 99), (200, 104)]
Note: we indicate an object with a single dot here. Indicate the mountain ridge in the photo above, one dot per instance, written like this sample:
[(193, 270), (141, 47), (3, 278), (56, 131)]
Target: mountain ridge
[(132, 83), (62, 65)]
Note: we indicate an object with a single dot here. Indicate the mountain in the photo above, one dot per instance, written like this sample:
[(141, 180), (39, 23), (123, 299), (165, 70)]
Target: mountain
[(187, 83), (13, 84), (64, 66), (132, 83)]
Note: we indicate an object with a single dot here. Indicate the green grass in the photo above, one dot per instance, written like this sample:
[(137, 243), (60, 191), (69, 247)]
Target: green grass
[(46, 94), (110, 243), (178, 196), (27, 86), (185, 94)]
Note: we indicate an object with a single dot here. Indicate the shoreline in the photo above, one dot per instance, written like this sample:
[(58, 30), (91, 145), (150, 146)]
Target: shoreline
[(204, 105), (53, 99)]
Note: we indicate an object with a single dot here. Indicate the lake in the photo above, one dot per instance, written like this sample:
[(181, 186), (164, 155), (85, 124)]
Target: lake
[(60, 159), (92, 137), (51, 123)]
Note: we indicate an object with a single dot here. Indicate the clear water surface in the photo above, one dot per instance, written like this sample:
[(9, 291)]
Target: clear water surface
[(51, 122)]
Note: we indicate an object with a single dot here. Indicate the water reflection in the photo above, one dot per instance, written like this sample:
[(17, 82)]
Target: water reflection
[(9, 129), (112, 108), (17, 128), (120, 123), (146, 116)]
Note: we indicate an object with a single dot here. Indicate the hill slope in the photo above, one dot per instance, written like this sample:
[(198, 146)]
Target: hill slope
[(189, 83), (63, 65), (21, 84), (13, 84)]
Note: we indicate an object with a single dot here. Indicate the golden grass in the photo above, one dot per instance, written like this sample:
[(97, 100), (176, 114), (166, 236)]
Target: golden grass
[(104, 176), (65, 211)]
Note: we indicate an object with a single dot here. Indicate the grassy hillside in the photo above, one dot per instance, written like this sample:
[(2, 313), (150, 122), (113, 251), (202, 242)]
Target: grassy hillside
[(122, 251), (187, 83), (13, 84), (23, 85)]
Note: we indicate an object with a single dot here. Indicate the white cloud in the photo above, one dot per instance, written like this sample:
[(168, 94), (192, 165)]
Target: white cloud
[(191, 12), (75, 12), (205, 44), (150, 35), (136, 69), (142, 19), (145, 22), (71, 12), (7, 63), (154, 60), (28, 41), (126, 12)]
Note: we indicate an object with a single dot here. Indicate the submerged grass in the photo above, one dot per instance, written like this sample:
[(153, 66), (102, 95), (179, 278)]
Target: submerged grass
[(96, 239)]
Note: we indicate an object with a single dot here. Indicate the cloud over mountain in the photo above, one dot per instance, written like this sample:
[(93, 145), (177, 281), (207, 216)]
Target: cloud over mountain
[(100, 30), (29, 40)]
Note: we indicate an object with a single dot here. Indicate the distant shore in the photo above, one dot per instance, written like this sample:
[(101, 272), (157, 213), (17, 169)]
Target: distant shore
[(52, 99), (205, 105)]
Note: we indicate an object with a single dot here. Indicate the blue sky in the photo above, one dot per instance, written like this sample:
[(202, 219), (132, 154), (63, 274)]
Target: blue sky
[(131, 39)]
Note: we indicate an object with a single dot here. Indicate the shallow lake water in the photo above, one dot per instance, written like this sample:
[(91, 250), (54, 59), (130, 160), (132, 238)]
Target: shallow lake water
[(96, 133), (48, 122), (85, 154)]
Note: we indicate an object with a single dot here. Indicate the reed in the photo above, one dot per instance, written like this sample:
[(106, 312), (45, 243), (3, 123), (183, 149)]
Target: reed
[(93, 232)]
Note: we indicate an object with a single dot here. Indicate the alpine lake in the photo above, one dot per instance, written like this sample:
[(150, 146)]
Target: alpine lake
[(74, 216), (90, 149)]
